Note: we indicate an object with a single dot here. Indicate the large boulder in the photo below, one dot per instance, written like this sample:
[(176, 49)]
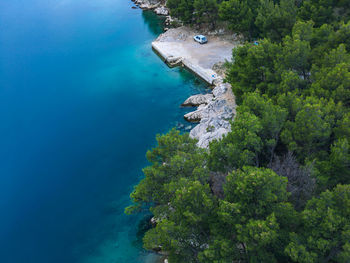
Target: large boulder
[(197, 100), (195, 116)]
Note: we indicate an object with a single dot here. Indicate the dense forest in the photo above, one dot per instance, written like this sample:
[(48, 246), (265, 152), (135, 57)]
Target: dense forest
[(277, 187)]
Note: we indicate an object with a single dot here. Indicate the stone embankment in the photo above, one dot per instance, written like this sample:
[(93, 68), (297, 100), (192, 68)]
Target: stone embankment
[(216, 109)]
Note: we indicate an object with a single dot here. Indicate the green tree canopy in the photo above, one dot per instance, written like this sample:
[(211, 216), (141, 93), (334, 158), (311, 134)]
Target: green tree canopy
[(254, 218), (325, 232), (275, 21), (176, 156)]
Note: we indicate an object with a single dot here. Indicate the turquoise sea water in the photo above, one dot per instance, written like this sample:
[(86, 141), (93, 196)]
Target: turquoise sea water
[(82, 96)]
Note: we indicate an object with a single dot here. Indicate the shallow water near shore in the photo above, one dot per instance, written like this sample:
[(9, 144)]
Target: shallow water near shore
[(82, 97)]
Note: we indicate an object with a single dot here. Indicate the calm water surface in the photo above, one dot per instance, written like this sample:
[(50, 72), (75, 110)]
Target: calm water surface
[(82, 96)]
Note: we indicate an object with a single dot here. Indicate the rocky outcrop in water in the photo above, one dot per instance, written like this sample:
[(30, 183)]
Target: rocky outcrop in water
[(195, 116), (214, 117), (197, 100)]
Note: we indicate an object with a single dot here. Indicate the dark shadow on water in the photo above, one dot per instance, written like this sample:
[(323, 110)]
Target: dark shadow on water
[(143, 226), (154, 22)]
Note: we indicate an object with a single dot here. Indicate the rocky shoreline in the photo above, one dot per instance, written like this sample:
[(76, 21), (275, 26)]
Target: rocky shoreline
[(177, 48), (214, 117), (216, 109), (157, 6)]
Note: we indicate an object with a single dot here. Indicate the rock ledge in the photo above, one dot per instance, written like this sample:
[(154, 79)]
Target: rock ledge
[(214, 118), (197, 100)]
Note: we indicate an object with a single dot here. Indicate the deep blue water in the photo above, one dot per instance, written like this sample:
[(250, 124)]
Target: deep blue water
[(82, 96)]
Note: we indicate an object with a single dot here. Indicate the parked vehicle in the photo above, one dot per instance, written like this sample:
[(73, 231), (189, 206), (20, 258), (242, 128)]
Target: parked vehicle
[(200, 39)]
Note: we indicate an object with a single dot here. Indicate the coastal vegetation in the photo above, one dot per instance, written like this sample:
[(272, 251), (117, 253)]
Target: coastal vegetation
[(277, 187)]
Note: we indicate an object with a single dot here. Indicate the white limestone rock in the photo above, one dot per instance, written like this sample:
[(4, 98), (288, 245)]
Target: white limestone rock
[(214, 117), (197, 100), (148, 4), (210, 130), (162, 11), (219, 90), (153, 221), (194, 116)]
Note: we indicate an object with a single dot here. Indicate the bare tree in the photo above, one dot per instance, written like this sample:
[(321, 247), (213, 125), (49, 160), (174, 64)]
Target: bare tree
[(301, 184), (217, 181)]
